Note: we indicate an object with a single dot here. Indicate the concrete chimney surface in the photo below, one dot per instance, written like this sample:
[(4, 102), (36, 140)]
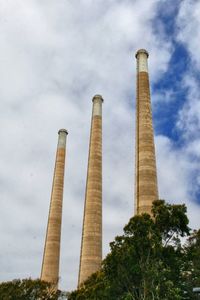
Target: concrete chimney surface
[(51, 256), (146, 190), (97, 105), (62, 138), (142, 56), (91, 246)]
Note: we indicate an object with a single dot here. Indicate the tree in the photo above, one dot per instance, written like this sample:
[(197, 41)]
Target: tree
[(146, 262), (191, 267), (28, 289)]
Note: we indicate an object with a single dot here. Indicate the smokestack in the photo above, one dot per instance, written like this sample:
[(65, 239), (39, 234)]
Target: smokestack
[(51, 256), (146, 190), (91, 246)]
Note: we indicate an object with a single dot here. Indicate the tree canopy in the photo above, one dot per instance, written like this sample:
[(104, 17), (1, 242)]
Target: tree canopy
[(156, 258), (28, 289), (149, 261)]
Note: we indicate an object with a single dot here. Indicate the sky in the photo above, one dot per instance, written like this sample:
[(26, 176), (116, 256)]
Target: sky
[(54, 57)]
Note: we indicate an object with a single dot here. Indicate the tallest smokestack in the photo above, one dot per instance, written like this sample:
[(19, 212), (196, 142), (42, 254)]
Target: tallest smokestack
[(146, 190), (91, 247)]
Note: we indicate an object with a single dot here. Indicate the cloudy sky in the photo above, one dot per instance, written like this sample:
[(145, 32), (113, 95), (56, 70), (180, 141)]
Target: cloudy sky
[(54, 57)]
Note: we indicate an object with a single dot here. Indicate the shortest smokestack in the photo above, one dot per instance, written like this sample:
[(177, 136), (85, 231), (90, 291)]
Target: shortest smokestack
[(51, 256)]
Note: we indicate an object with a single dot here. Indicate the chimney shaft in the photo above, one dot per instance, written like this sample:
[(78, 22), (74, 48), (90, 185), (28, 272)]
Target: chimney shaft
[(146, 190), (51, 256), (91, 246)]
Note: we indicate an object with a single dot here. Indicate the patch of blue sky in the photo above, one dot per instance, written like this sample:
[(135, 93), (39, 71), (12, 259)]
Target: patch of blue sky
[(194, 185), (167, 11), (169, 91), (197, 196), (171, 94)]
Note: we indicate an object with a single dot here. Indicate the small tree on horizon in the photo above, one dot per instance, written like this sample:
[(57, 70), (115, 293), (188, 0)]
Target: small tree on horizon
[(28, 289)]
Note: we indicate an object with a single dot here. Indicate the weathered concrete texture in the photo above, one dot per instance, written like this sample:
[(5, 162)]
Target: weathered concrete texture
[(91, 247), (51, 257), (146, 190)]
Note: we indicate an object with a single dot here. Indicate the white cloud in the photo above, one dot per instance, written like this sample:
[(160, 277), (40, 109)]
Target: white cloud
[(188, 26), (189, 115), (188, 120), (175, 172)]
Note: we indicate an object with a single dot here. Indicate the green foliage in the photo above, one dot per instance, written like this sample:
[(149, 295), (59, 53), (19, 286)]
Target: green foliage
[(191, 266), (148, 261), (94, 288), (170, 220), (28, 289)]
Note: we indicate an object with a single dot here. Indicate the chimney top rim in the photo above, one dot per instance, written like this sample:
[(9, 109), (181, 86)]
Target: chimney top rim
[(62, 130), (142, 51), (97, 97)]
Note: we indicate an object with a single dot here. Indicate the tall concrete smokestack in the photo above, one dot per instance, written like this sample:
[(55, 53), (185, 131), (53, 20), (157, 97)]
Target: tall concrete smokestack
[(51, 257), (146, 190), (91, 246)]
